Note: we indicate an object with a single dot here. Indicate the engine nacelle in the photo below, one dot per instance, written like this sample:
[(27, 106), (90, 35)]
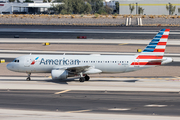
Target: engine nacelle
[(59, 74)]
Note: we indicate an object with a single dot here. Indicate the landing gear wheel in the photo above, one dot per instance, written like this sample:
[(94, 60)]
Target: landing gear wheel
[(81, 79), (28, 78), (87, 78)]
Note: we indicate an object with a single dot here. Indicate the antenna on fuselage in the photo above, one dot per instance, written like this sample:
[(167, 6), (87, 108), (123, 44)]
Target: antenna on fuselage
[(64, 54), (30, 53)]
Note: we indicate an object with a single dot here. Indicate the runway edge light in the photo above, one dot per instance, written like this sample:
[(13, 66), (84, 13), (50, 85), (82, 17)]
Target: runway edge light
[(2, 61), (139, 50), (47, 43)]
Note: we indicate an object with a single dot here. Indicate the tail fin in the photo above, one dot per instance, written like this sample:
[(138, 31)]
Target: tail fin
[(156, 48)]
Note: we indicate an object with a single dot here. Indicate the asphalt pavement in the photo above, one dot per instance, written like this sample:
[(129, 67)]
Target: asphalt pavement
[(72, 32), (114, 102)]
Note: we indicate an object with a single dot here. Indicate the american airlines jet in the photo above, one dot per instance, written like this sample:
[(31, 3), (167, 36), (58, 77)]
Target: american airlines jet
[(63, 66)]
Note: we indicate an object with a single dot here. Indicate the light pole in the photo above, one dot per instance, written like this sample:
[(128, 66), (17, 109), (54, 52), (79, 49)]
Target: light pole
[(169, 9), (136, 8)]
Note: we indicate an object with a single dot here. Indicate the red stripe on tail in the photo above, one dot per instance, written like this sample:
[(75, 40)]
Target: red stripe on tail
[(149, 57), (161, 43), (159, 50), (146, 63), (164, 36)]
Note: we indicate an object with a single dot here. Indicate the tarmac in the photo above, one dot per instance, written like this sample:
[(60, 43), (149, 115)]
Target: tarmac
[(146, 94), (38, 115)]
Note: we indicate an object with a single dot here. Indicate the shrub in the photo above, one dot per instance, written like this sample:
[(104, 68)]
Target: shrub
[(173, 17), (114, 17), (124, 16), (96, 15), (143, 16), (160, 16), (152, 16)]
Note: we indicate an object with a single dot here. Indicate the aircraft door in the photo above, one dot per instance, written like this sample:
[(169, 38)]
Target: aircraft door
[(27, 62)]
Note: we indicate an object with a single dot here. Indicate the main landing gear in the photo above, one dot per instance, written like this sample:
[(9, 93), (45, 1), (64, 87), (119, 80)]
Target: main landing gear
[(29, 77), (82, 79)]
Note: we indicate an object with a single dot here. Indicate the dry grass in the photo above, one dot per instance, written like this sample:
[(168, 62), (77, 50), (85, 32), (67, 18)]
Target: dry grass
[(143, 16), (72, 16), (160, 16), (87, 16), (114, 17), (124, 16), (152, 16), (173, 17)]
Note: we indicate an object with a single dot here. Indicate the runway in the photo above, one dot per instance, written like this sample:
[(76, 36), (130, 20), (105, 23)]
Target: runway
[(146, 94), (144, 42), (114, 102), (66, 32), (113, 96)]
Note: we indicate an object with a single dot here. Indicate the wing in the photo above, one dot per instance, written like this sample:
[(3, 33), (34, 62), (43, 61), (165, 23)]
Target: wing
[(78, 69)]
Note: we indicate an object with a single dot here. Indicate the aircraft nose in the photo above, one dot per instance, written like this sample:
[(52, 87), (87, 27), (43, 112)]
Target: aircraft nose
[(9, 66)]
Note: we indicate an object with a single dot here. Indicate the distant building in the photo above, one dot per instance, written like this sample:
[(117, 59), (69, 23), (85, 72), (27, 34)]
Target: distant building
[(24, 8), (150, 7)]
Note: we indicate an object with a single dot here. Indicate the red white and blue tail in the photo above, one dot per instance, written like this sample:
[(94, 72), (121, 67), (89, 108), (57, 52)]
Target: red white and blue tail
[(153, 53)]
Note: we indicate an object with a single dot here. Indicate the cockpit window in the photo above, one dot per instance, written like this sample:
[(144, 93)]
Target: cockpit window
[(16, 60)]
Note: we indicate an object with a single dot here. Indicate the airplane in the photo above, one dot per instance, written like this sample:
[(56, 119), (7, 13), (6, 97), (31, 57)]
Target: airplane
[(63, 66)]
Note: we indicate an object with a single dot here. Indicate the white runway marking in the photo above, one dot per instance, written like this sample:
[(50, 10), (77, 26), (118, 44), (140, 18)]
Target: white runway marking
[(62, 92), (155, 105), (120, 109), (79, 111)]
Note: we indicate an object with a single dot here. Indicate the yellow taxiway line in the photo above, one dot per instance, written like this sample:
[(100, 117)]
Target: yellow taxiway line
[(62, 92)]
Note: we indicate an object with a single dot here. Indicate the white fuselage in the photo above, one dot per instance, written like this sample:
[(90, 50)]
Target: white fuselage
[(45, 63)]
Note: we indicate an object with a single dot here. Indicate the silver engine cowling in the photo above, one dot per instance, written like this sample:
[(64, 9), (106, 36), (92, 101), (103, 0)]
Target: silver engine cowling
[(59, 74)]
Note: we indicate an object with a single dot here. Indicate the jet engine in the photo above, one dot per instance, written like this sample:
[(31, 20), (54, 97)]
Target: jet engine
[(59, 74)]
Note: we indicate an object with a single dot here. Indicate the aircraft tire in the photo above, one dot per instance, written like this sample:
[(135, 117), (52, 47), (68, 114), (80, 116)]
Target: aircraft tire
[(81, 79), (87, 78), (28, 79)]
